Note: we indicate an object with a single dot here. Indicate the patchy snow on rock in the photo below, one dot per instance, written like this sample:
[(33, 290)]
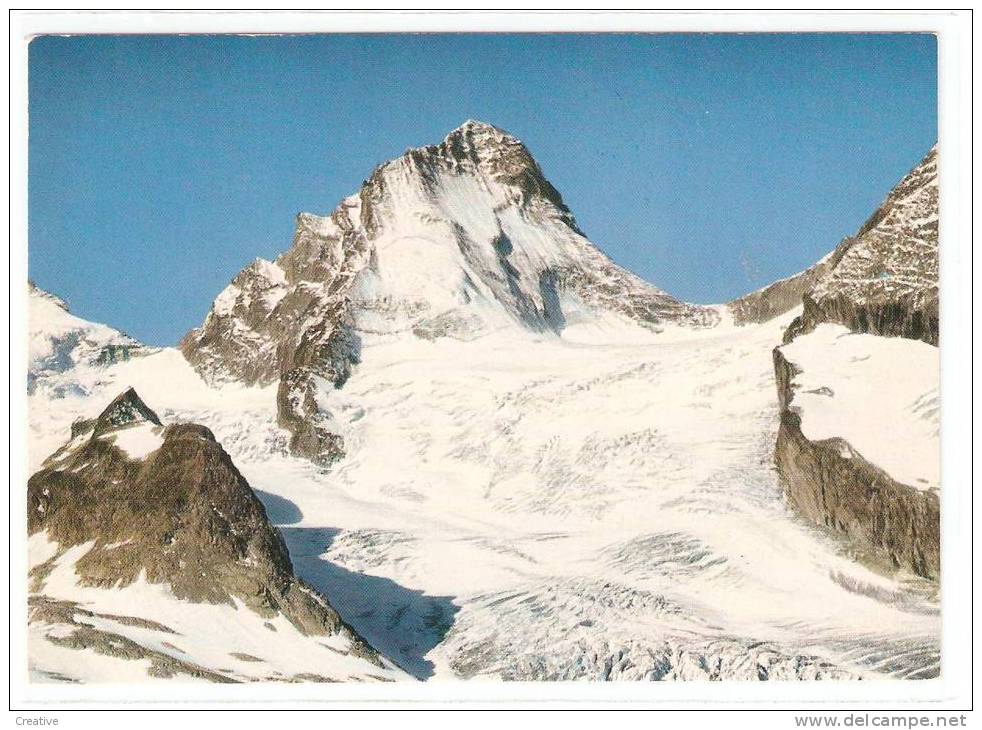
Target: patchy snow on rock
[(226, 640), (457, 240), (880, 394)]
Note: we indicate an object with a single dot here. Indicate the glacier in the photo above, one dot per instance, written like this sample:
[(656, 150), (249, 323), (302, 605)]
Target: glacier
[(524, 507)]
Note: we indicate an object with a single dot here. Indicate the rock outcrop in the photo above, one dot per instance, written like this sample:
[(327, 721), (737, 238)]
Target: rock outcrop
[(451, 240), (829, 482), (165, 504), (882, 282), (775, 299)]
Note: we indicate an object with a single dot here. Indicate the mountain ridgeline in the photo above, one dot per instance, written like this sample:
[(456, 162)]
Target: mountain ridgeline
[(452, 240)]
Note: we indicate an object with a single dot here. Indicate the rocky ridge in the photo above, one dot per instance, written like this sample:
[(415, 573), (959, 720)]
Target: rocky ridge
[(165, 504), (884, 280)]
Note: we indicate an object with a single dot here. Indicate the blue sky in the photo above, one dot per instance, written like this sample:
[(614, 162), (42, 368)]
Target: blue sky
[(708, 164)]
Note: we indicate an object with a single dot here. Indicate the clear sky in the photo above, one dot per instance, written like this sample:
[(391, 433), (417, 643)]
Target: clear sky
[(708, 164)]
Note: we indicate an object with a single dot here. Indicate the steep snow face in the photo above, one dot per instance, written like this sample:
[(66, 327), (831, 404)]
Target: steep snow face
[(59, 342), (879, 394), (549, 509), (453, 240)]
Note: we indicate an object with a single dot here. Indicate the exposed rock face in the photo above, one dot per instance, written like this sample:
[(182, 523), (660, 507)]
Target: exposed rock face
[(830, 483), (167, 503), (310, 426), (775, 299), (885, 279), (60, 341), (451, 240)]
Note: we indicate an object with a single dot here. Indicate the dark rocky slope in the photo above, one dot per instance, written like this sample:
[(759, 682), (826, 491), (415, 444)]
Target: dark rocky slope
[(181, 514), (831, 484), (883, 281)]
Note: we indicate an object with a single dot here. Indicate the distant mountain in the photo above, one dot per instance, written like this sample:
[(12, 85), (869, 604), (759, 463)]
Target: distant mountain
[(779, 297), (59, 341), (452, 240), (129, 504)]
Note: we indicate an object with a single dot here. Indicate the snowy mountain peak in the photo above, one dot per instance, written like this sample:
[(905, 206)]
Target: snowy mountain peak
[(480, 138), (491, 153), (35, 291), (471, 125), (456, 240), (127, 410), (67, 353)]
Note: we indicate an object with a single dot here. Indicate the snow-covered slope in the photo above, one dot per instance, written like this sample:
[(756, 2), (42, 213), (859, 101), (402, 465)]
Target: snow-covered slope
[(547, 509), (858, 447), (880, 394), (456, 240), (858, 382), (60, 341)]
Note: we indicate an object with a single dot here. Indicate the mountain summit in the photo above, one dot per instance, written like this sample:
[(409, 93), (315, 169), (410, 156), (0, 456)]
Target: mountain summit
[(453, 240)]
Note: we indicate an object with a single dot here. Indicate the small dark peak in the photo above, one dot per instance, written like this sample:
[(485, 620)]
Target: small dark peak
[(126, 409)]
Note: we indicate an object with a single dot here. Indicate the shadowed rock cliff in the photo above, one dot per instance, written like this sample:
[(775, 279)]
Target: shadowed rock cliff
[(832, 484), (883, 281)]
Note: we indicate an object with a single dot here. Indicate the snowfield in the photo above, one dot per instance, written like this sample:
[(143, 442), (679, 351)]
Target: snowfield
[(878, 393), (522, 506), (227, 640)]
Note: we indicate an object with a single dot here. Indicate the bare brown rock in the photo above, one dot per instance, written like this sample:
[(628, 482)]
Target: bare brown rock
[(183, 516), (831, 484)]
